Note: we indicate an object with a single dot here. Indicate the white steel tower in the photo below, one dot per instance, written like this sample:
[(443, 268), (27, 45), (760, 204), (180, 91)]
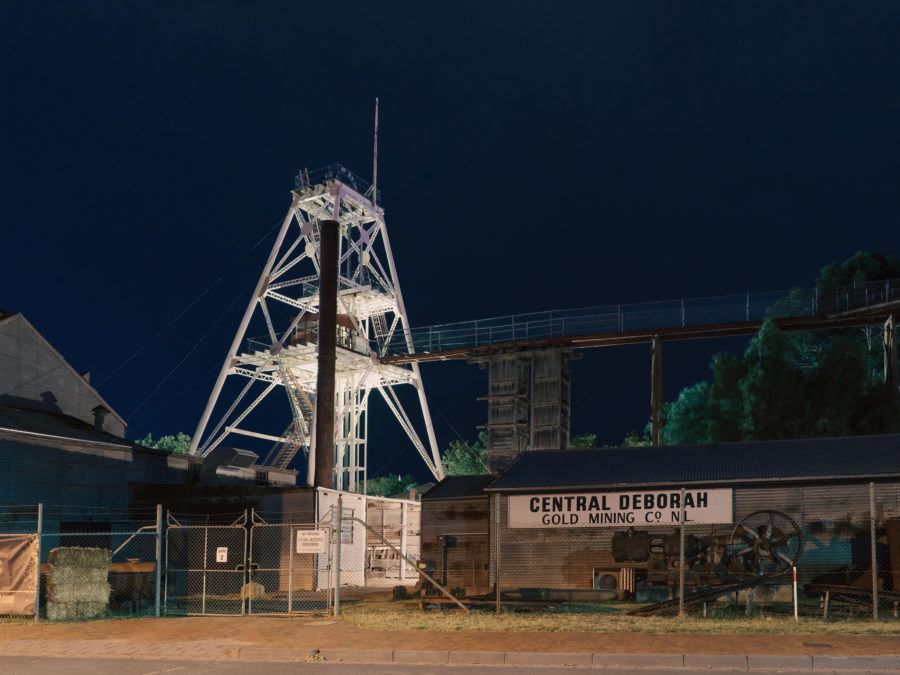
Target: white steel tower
[(370, 312)]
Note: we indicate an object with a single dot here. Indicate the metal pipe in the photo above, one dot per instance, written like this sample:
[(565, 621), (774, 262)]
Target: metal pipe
[(872, 535), (37, 584), (497, 555), (290, 568), (340, 535), (203, 596), (166, 589), (412, 563), (158, 555), (328, 273), (133, 535), (796, 616), (681, 562)]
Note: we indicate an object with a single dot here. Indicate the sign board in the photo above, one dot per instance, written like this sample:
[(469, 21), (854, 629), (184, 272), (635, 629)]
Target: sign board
[(311, 541), (222, 554), (620, 509)]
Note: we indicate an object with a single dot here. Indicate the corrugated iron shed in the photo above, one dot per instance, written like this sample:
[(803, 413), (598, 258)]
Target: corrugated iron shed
[(41, 423), (454, 487), (819, 459)]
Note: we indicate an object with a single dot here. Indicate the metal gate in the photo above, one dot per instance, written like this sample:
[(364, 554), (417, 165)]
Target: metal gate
[(290, 568), (248, 567), (206, 567)]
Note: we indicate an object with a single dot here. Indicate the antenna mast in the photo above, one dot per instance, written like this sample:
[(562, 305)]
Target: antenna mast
[(375, 160)]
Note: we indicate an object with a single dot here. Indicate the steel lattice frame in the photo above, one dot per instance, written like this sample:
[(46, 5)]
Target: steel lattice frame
[(370, 301)]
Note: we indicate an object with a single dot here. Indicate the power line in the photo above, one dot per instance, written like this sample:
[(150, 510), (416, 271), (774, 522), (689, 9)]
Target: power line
[(159, 332), (184, 358)]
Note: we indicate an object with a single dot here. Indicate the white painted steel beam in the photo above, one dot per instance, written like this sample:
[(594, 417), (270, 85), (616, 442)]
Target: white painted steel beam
[(370, 301)]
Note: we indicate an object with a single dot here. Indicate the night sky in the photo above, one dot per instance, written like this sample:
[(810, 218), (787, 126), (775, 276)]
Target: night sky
[(533, 156)]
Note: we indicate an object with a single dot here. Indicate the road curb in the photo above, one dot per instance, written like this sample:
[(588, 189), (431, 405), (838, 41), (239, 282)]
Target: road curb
[(856, 663), (559, 659), (216, 650), (779, 662), (637, 660)]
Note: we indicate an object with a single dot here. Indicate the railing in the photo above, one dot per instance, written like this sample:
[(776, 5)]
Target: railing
[(306, 179), (739, 308)]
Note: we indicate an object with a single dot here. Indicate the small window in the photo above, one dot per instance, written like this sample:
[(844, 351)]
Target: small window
[(262, 477), (346, 526)]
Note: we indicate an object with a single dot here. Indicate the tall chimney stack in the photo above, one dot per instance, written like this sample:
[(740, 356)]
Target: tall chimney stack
[(328, 274)]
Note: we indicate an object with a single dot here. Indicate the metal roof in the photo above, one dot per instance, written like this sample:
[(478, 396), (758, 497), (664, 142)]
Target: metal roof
[(45, 423), (855, 457), (459, 486)]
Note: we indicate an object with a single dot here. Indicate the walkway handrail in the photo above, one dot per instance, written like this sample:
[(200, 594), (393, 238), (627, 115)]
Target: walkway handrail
[(703, 311)]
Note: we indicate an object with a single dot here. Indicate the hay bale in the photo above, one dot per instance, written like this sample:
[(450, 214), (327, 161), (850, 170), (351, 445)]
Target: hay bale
[(79, 592), (72, 611), (80, 558), (89, 609), (61, 611), (253, 590), (73, 575), (78, 586)]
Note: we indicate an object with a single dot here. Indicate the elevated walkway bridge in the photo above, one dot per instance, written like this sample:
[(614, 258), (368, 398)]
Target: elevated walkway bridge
[(684, 319), (528, 356)]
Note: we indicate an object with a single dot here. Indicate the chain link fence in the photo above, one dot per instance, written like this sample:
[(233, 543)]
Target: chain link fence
[(206, 564), (65, 563), (820, 550)]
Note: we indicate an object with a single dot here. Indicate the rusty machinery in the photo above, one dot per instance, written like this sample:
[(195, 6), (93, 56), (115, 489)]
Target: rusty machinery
[(762, 545)]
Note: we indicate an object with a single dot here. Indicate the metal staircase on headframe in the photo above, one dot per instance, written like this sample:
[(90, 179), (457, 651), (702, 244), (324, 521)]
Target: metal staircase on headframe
[(284, 306)]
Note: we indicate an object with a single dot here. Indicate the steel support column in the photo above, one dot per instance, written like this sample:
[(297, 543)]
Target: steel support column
[(890, 353), (656, 392), (324, 459)]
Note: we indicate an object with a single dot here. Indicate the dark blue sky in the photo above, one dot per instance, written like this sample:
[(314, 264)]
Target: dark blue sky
[(533, 156)]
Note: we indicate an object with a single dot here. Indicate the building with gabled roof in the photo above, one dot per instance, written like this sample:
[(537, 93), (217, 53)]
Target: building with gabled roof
[(35, 376)]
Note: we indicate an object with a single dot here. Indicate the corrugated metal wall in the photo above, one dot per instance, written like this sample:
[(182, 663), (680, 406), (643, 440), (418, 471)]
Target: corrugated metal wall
[(33, 374), (833, 520), (78, 476)]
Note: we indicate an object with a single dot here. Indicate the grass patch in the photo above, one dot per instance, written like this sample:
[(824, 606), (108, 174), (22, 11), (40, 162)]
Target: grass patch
[(607, 618)]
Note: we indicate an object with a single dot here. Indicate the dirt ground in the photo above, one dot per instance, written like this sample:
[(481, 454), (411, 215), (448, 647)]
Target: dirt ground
[(303, 632)]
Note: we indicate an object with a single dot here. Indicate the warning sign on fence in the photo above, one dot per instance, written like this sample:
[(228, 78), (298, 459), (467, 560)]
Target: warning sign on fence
[(311, 541)]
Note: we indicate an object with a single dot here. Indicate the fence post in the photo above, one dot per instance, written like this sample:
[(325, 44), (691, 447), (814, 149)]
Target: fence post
[(796, 616), (403, 540), (497, 555), (291, 545), (337, 572), (874, 554), (166, 582), (681, 561), (158, 555), (203, 589), (37, 585)]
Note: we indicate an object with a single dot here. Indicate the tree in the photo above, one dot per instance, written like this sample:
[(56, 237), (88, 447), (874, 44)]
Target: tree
[(179, 443), (390, 485), (688, 418), (802, 384), (466, 459), (858, 268), (583, 441), (636, 440)]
